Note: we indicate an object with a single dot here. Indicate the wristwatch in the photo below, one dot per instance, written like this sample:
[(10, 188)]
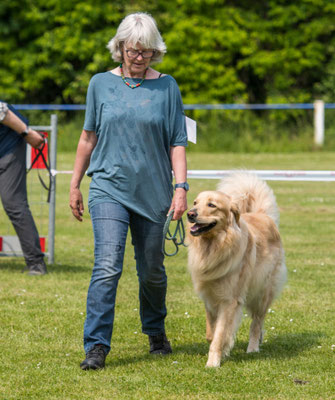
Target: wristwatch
[(183, 185), (25, 132)]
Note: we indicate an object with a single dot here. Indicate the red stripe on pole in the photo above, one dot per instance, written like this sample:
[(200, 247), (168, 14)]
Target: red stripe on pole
[(0, 243)]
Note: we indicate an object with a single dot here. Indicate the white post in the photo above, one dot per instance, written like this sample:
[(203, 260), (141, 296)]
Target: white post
[(319, 122), (52, 205)]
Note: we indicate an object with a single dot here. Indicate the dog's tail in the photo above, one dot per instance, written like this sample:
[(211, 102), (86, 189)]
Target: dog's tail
[(250, 193)]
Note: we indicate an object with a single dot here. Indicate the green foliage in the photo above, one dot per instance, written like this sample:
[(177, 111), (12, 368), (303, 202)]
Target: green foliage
[(247, 51), (55, 48), (243, 131)]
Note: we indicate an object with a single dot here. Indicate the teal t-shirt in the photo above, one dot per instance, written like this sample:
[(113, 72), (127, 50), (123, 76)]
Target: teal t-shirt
[(135, 129)]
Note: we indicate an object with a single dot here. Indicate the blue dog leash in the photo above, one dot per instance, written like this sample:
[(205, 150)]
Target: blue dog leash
[(178, 237)]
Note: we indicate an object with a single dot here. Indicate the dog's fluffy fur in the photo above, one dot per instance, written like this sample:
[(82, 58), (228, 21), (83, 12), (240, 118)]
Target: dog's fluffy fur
[(235, 258)]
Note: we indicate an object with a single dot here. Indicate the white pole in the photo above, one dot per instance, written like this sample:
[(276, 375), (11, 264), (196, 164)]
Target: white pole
[(319, 122), (52, 206), (268, 175)]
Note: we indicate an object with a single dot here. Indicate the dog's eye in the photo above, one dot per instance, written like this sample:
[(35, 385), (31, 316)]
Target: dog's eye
[(194, 203), (211, 205)]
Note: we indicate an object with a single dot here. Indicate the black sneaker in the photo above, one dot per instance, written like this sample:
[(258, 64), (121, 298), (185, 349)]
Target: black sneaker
[(159, 344), (37, 269), (95, 358)]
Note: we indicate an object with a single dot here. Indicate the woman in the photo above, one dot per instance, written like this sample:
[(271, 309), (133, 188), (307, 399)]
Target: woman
[(134, 133)]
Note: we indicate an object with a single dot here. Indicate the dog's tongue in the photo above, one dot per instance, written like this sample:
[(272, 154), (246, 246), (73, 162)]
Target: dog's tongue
[(195, 227)]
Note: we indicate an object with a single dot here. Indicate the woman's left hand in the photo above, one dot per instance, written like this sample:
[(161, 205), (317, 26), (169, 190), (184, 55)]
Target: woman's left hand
[(179, 203), (34, 138)]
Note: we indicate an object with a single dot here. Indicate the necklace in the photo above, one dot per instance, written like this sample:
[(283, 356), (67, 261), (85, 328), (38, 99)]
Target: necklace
[(127, 83)]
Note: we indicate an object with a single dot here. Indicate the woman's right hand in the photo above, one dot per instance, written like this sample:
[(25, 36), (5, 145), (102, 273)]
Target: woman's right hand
[(76, 203)]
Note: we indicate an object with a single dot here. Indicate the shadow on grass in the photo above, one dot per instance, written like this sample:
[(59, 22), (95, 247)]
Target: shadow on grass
[(143, 355), (283, 346), (280, 347), (17, 267), (64, 268)]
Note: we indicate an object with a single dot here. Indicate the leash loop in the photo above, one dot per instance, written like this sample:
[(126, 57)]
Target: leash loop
[(177, 238)]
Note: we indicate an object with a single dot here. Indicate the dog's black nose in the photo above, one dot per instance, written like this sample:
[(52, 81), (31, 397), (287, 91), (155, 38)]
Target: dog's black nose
[(192, 215)]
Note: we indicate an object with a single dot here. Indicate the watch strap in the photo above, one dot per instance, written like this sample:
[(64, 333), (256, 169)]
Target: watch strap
[(25, 132), (182, 185)]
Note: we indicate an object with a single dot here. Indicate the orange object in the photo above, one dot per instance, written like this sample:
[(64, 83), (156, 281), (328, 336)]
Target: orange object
[(42, 243), (35, 155)]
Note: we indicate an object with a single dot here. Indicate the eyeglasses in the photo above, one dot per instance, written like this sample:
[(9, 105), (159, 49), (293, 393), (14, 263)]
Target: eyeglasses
[(135, 53)]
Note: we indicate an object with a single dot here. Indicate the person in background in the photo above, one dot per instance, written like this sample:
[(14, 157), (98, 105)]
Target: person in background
[(14, 134), (134, 135)]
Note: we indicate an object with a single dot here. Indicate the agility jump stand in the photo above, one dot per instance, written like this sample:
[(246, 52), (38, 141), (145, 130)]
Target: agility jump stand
[(10, 245)]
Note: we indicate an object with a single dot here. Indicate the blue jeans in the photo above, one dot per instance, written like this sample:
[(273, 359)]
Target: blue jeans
[(110, 226)]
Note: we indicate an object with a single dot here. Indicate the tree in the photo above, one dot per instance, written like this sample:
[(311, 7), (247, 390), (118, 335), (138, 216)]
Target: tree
[(228, 51)]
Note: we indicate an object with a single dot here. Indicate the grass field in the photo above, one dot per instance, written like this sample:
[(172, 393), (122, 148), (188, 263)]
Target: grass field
[(42, 318)]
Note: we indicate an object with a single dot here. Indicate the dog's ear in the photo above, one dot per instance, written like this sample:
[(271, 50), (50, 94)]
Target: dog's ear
[(235, 210)]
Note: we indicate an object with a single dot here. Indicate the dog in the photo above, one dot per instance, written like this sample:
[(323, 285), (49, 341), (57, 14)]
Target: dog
[(236, 259)]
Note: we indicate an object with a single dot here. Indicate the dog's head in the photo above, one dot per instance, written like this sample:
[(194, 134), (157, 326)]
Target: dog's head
[(212, 211)]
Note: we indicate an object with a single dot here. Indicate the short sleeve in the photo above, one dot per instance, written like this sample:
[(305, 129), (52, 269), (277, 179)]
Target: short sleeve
[(18, 114), (90, 114), (178, 134), (3, 110)]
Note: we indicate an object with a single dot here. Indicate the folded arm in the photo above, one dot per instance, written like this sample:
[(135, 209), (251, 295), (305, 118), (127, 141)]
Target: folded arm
[(14, 122)]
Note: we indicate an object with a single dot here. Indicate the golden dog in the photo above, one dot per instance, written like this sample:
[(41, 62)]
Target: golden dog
[(235, 258)]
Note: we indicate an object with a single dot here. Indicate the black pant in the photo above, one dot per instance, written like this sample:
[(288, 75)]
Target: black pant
[(13, 193)]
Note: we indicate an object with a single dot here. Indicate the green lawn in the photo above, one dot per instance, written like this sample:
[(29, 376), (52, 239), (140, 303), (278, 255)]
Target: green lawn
[(41, 318)]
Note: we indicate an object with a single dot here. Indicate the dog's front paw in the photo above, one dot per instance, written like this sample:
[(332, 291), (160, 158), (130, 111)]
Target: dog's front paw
[(211, 365), (253, 348), (214, 360)]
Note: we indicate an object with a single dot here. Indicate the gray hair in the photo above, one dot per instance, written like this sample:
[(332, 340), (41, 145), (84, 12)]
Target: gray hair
[(137, 28)]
